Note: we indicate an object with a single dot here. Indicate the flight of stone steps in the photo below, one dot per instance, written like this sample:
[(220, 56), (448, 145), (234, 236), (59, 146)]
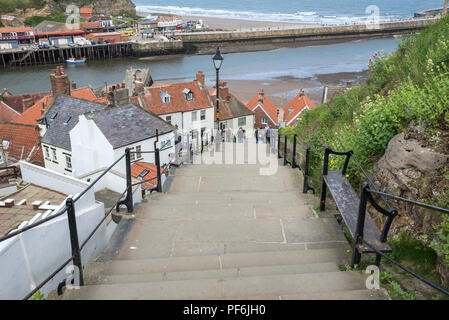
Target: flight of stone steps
[(226, 232)]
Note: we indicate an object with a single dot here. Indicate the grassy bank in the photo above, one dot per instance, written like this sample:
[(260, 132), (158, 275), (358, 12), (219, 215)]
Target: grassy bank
[(410, 85)]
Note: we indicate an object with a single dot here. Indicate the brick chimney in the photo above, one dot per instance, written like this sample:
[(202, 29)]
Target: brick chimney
[(59, 81), (200, 77), (118, 95), (261, 95), (301, 93), (224, 91)]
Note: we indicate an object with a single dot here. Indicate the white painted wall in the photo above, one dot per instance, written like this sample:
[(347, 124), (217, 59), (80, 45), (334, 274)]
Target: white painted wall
[(29, 258), (58, 165), (90, 148)]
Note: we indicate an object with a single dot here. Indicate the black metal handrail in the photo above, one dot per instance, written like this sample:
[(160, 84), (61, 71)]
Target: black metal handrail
[(417, 276), (366, 196), (69, 208)]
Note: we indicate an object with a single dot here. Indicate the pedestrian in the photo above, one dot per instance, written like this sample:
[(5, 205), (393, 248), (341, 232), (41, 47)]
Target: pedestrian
[(268, 134), (256, 133)]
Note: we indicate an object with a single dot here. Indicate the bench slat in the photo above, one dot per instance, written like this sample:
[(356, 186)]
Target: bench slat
[(348, 204)]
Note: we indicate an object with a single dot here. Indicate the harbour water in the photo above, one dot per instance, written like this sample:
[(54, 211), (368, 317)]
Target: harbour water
[(301, 62)]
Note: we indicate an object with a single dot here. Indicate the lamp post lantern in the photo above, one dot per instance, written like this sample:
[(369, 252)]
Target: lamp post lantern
[(218, 61)]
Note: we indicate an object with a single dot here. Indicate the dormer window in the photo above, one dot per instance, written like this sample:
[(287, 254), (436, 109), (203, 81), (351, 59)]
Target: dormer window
[(188, 94), (165, 97), (290, 112)]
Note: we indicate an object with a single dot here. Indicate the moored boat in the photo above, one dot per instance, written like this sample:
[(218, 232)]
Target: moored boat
[(76, 61)]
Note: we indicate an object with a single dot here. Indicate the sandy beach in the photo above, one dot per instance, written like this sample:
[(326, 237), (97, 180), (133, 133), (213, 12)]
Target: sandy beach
[(236, 24)]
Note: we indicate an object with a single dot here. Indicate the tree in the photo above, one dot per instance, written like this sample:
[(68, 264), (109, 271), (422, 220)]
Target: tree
[(446, 2)]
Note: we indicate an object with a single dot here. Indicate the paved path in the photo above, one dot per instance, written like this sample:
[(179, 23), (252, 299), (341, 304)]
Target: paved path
[(225, 232)]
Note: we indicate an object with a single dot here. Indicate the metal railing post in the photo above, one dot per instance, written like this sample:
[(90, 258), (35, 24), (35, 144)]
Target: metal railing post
[(279, 146), (305, 188), (76, 252), (158, 165), (128, 202), (358, 240), (285, 150), (323, 184), (294, 152), (386, 229)]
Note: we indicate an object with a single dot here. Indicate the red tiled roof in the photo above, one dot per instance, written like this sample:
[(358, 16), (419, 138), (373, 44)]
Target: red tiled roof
[(102, 100), (89, 25), (266, 105), (140, 167), (7, 113), (296, 106), (152, 99), (86, 11), (17, 102), (22, 29), (23, 141), (31, 115), (60, 33), (85, 93)]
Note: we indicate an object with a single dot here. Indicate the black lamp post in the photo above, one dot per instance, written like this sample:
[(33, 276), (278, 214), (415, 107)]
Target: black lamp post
[(218, 60)]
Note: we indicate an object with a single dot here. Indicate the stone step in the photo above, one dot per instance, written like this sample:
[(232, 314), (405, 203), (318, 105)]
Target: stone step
[(366, 294), (269, 285), (219, 262), (99, 278)]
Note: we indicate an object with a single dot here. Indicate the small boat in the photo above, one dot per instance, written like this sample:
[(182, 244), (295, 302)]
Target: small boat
[(75, 61)]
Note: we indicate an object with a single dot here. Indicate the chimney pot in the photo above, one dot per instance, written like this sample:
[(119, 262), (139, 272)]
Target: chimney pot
[(349, 85), (73, 85)]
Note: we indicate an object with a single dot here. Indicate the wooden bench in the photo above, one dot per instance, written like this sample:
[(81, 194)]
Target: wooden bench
[(351, 208)]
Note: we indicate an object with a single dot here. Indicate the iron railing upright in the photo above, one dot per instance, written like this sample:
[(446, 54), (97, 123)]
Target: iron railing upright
[(69, 208), (367, 191)]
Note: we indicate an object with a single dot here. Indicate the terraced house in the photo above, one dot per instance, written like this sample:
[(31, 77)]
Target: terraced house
[(185, 105)]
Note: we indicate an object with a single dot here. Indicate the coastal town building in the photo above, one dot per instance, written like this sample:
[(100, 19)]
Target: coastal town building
[(147, 26), (21, 35), (185, 105), (100, 137), (22, 102), (168, 23), (57, 121), (11, 21), (86, 13), (107, 37), (296, 107), (55, 33), (233, 113), (265, 112), (96, 27)]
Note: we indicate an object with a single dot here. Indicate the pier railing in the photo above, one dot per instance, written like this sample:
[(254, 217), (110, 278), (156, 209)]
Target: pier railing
[(337, 180)]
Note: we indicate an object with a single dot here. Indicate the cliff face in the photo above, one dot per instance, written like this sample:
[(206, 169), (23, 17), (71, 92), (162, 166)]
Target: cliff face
[(107, 7)]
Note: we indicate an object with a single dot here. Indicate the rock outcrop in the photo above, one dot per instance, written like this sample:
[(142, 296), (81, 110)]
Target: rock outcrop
[(410, 168)]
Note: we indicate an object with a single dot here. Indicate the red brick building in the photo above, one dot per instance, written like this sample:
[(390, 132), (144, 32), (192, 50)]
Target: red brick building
[(266, 114)]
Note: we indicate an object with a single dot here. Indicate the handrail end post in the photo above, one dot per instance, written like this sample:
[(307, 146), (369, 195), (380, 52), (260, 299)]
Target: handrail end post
[(74, 241)]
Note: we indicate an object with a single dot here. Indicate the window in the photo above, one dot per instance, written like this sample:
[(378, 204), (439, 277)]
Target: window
[(47, 152), (188, 94), (290, 112), (139, 152), (55, 158), (1, 158), (264, 120), (143, 173), (5, 144), (165, 97), (242, 121), (168, 119), (132, 155), (67, 119), (194, 116), (203, 114), (68, 162)]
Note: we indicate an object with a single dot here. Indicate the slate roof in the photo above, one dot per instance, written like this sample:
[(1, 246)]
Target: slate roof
[(58, 133), (129, 124)]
